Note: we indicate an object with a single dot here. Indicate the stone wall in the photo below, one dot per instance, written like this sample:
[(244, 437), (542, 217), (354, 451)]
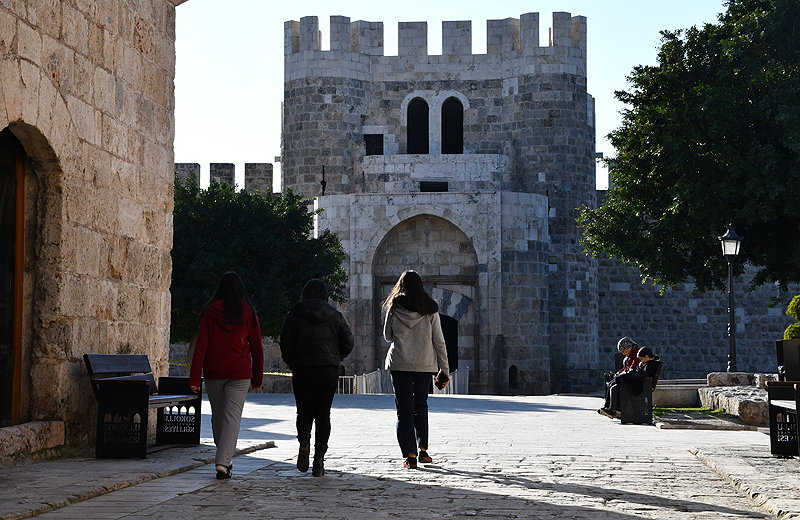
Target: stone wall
[(689, 329), (88, 91), (488, 246)]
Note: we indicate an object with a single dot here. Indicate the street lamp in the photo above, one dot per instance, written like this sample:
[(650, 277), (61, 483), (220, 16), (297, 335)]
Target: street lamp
[(731, 243)]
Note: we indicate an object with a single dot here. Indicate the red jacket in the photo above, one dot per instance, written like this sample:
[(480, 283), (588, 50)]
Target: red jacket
[(631, 361), (225, 350)]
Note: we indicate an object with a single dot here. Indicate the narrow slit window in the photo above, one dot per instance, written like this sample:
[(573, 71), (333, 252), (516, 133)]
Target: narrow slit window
[(432, 186)]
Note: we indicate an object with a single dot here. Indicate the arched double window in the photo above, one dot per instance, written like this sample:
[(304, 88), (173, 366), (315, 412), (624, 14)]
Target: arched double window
[(452, 126), (417, 137)]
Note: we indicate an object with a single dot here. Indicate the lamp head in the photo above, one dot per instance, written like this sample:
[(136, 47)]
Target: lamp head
[(731, 242)]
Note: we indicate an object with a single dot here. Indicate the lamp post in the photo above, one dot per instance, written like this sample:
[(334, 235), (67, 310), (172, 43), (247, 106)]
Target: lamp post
[(730, 249)]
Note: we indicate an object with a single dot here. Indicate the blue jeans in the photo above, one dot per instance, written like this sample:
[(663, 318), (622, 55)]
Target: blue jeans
[(411, 400)]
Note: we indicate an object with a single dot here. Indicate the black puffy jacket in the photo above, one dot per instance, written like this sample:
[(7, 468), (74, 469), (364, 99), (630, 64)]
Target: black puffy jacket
[(315, 334)]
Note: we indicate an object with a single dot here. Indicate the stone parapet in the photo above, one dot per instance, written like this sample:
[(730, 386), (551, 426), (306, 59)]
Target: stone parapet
[(408, 173), (512, 44)]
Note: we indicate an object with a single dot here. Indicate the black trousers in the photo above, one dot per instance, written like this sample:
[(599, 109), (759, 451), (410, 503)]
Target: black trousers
[(314, 388), (411, 400)]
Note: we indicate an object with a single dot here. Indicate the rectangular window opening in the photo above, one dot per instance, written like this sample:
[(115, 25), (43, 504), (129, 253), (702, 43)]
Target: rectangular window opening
[(374, 144), (433, 186)]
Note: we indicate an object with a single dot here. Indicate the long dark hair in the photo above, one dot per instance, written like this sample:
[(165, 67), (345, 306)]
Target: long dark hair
[(409, 292), (231, 291), (314, 288)]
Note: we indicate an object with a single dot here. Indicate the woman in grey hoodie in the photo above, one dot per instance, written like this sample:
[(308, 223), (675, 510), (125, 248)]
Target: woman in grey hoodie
[(417, 352)]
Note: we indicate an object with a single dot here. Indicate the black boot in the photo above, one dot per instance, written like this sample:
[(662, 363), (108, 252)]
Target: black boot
[(319, 457), (302, 456), (319, 467)]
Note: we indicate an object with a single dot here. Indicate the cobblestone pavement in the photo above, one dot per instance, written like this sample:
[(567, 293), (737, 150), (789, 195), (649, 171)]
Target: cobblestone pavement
[(494, 457)]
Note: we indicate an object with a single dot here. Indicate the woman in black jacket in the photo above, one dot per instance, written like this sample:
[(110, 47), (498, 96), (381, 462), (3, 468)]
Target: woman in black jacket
[(314, 341)]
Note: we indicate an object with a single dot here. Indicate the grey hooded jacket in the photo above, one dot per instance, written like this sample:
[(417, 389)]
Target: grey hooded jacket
[(417, 342)]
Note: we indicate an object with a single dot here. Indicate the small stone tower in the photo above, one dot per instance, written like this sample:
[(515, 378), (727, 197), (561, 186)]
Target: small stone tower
[(467, 168)]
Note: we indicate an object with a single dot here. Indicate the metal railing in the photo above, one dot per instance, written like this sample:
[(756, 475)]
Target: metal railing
[(380, 382), (347, 385)]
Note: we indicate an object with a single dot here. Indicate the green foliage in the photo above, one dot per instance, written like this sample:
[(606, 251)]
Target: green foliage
[(793, 309), (266, 239), (711, 136), (793, 330), (714, 412)]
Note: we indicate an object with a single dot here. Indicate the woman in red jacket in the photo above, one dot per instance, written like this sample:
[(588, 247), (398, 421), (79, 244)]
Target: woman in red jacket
[(229, 353)]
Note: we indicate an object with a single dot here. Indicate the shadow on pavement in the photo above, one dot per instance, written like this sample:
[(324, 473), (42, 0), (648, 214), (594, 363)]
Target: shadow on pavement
[(280, 491)]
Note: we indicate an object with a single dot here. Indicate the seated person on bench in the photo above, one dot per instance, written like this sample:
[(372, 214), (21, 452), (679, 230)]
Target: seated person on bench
[(628, 348), (648, 365)]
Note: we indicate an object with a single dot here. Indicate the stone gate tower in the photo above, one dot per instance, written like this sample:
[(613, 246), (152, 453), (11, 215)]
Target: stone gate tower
[(465, 167)]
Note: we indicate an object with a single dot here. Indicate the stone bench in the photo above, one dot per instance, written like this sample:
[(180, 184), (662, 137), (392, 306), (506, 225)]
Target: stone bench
[(678, 393)]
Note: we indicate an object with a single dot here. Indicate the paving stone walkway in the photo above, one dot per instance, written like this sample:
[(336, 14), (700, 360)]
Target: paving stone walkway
[(494, 457)]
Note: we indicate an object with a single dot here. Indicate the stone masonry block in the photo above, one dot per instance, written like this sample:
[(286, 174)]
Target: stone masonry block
[(309, 34), (223, 173), (258, 176), (184, 170), (340, 33)]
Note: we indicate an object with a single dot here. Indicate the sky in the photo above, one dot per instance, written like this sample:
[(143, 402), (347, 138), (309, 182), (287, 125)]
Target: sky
[(229, 70)]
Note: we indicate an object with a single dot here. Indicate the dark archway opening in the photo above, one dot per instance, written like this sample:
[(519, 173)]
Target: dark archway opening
[(450, 332), (417, 126), (452, 126), (11, 232)]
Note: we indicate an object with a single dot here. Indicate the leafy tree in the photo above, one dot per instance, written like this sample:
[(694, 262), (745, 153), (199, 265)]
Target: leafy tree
[(266, 239), (711, 137)]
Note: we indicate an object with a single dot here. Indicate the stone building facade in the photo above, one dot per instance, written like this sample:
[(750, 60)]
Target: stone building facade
[(465, 167), (86, 113), (469, 168)]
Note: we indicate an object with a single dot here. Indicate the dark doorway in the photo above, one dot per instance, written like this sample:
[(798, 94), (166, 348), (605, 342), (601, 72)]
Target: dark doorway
[(11, 176), (450, 331), (417, 126), (452, 126), (512, 377)]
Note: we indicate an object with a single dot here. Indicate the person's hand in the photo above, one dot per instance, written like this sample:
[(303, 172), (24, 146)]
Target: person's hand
[(194, 389), (445, 384), (254, 387)]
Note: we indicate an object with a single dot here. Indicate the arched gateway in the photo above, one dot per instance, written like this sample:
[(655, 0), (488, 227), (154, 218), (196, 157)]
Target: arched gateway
[(445, 258)]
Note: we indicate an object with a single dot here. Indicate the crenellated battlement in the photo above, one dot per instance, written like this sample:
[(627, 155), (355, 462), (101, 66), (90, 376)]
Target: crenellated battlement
[(257, 176), (502, 36)]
